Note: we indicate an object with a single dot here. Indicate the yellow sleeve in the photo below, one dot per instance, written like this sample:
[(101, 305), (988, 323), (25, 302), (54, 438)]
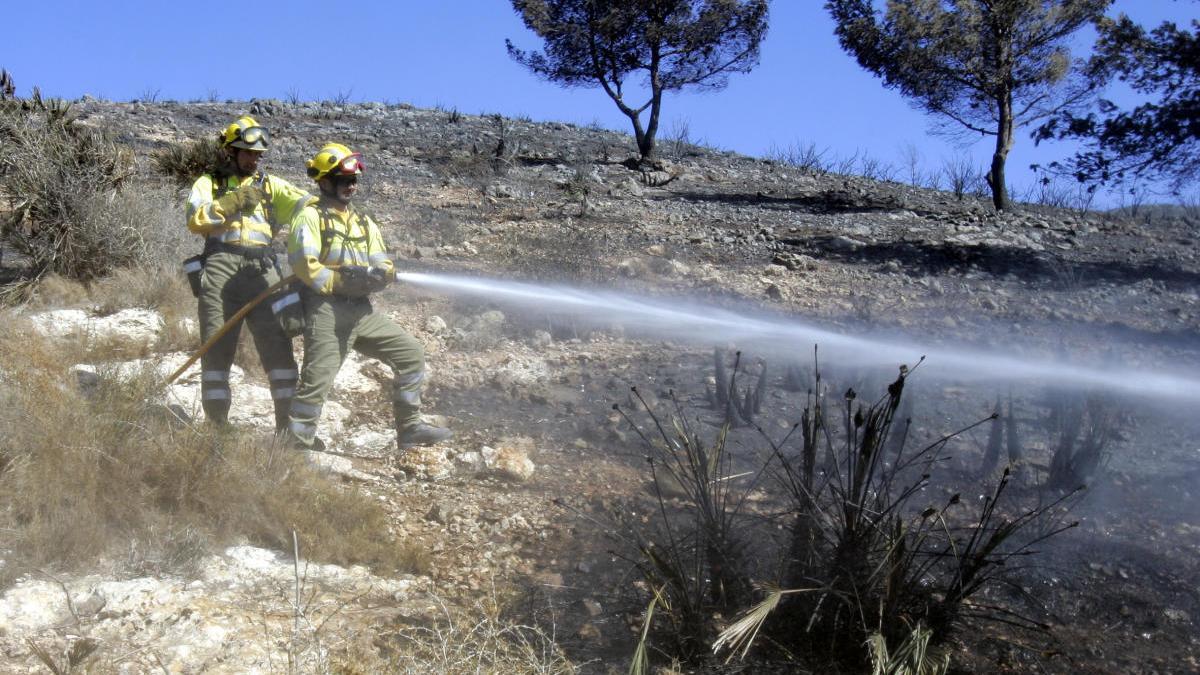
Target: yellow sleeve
[(304, 251), (286, 200), (376, 249), (203, 214)]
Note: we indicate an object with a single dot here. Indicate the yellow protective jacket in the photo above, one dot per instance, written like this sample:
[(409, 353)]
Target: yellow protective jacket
[(323, 238), (206, 217)]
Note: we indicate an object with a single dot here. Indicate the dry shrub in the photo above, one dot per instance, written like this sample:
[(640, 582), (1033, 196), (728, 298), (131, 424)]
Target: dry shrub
[(157, 288), (460, 642), (469, 168), (183, 163), (96, 472), (55, 291), (74, 212), (51, 168), (872, 549)]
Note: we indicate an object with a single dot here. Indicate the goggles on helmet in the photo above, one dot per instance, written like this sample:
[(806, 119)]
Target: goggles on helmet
[(351, 165), (252, 135)]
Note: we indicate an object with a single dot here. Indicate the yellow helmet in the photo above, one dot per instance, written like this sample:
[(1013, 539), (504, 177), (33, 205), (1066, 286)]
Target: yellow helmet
[(336, 159), (246, 134)]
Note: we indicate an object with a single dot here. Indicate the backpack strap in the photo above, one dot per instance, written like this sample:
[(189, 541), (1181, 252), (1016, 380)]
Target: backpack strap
[(220, 185), (264, 181), (328, 231)]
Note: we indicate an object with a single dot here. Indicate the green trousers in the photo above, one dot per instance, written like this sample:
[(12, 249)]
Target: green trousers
[(333, 326), (229, 282)]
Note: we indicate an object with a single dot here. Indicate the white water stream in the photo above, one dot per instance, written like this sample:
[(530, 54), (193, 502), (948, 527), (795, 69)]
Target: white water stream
[(696, 323)]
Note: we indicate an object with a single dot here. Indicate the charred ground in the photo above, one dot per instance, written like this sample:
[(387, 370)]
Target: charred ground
[(554, 203)]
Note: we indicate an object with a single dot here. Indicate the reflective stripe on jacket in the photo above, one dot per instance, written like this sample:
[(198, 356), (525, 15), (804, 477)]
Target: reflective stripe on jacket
[(206, 217), (352, 239)]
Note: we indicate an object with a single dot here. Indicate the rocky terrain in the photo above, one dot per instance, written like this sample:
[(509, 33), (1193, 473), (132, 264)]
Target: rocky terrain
[(519, 500)]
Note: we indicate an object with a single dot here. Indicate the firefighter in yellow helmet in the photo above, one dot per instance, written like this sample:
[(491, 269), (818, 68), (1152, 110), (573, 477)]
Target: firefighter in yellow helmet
[(339, 254), (239, 209)]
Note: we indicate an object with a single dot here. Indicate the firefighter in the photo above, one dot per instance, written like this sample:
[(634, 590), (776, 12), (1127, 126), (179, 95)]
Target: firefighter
[(339, 254), (238, 210)]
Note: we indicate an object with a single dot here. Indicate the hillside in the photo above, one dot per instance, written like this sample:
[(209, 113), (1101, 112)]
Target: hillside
[(505, 529)]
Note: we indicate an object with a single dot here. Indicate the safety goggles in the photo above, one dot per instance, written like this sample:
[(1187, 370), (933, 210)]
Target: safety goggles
[(253, 135), (350, 166)]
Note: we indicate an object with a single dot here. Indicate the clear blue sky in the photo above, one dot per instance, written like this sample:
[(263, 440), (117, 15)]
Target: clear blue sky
[(451, 53)]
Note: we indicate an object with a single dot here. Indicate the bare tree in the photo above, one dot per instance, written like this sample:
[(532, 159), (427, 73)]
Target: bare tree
[(989, 66), (674, 43)]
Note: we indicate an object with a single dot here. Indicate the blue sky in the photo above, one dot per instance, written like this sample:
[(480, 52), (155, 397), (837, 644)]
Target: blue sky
[(451, 53)]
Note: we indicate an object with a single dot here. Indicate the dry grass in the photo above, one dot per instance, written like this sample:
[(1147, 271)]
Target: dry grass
[(460, 642), (56, 292), (98, 473), (159, 288)]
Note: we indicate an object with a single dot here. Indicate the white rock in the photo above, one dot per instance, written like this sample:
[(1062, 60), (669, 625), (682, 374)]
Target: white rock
[(359, 374), (521, 371), (436, 325), (510, 459), (135, 326)]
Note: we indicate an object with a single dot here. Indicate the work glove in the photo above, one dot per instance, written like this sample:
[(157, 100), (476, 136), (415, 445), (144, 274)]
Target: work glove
[(242, 200), (353, 281), (379, 278)]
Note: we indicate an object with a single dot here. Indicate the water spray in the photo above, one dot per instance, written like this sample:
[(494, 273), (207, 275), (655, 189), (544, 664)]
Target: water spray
[(694, 322)]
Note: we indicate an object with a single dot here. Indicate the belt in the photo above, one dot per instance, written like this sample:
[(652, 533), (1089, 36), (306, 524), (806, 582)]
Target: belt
[(248, 252)]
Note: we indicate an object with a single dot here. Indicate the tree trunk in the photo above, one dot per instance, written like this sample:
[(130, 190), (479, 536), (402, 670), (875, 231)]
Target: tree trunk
[(639, 134), (646, 141), (1004, 143), (646, 145)]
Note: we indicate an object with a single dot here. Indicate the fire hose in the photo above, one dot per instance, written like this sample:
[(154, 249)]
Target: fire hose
[(238, 316)]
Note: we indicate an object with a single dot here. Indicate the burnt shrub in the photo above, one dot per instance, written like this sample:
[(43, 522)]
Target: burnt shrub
[(844, 548)]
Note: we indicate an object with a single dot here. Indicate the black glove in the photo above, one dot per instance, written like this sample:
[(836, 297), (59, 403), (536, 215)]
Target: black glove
[(379, 278), (353, 281)]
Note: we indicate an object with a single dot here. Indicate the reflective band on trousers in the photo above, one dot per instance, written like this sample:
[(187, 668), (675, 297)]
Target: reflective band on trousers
[(410, 380), (216, 395), (283, 392), (215, 376), (282, 374), (193, 266), (304, 431), (300, 408), (287, 300), (411, 397)]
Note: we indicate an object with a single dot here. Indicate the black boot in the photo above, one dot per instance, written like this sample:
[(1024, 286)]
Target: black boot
[(421, 434)]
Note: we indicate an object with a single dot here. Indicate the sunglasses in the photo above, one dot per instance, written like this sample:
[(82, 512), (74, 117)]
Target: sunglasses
[(254, 134)]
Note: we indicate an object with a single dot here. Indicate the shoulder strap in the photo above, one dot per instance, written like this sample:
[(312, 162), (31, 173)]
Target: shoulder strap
[(220, 185), (328, 231), (264, 181)]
